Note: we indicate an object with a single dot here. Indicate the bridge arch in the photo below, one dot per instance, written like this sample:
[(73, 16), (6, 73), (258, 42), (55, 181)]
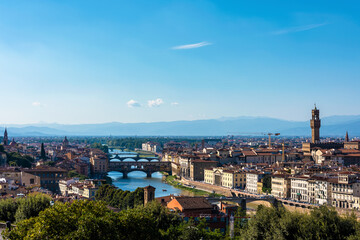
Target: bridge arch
[(129, 159), (135, 158), (126, 167)]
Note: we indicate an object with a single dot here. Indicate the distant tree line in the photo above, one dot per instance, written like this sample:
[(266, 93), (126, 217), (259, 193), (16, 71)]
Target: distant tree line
[(136, 142), (100, 146), (118, 198)]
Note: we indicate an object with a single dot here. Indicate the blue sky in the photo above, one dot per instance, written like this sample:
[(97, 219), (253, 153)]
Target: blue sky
[(143, 61)]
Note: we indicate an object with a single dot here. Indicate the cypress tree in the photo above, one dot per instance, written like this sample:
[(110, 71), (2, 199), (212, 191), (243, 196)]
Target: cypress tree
[(42, 152)]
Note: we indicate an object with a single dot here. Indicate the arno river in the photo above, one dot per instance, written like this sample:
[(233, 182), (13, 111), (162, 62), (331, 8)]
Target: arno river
[(138, 179)]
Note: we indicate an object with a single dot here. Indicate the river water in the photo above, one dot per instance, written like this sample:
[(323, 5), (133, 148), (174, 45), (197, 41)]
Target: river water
[(138, 179)]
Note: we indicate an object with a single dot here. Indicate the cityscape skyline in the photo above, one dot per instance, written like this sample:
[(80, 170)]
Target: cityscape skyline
[(87, 62)]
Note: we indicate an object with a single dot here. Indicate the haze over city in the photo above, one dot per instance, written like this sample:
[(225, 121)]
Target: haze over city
[(90, 62)]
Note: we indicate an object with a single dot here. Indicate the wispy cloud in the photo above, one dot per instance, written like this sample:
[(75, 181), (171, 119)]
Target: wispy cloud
[(298, 29), (38, 104), (174, 103), (132, 103), (190, 46), (155, 103)]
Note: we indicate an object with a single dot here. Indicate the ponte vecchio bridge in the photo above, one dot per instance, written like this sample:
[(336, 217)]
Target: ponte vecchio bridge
[(126, 163), (136, 156)]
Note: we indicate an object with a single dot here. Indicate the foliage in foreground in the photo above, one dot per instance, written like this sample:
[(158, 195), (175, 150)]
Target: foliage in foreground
[(118, 198), (23, 208), (321, 223), (93, 220)]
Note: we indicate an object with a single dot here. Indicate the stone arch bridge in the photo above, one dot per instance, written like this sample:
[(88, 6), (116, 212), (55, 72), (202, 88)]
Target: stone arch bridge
[(272, 200), (148, 167), (136, 157)]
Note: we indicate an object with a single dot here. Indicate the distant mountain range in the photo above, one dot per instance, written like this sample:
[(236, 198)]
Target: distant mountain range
[(330, 126)]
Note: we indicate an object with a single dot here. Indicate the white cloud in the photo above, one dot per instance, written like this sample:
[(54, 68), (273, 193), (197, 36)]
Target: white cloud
[(298, 29), (155, 103), (174, 103), (132, 103), (38, 104), (190, 46)]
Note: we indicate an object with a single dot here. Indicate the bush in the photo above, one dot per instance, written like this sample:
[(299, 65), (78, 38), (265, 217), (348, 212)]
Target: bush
[(278, 223), (8, 209), (31, 206), (23, 208), (118, 198), (93, 220)]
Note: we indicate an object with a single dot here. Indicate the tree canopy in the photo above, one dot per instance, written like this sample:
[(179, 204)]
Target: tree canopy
[(118, 198), (22, 208), (85, 219), (98, 145), (93, 220), (19, 160), (278, 223)]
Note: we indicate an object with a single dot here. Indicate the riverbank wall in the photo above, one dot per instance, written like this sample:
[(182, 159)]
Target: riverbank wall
[(207, 187)]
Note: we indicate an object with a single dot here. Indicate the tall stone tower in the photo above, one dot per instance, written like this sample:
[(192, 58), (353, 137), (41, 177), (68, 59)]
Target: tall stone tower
[(6, 138), (149, 194), (347, 137), (315, 126)]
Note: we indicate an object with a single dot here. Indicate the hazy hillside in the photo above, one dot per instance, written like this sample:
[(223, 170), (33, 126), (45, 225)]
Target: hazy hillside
[(331, 126)]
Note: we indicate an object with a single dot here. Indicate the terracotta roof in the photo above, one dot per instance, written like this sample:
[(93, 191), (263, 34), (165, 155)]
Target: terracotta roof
[(193, 202), (280, 175), (249, 153), (201, 160), (44, 169)]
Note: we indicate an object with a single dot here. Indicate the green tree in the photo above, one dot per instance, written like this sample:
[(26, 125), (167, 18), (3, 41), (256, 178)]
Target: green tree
[(19, 160), (93, 220), (31, 206), (8, 209), (326, 223), (80, 220), (23, 208), (75, 174), (100, 146), (118, 198), (278, 223), (266, 183)]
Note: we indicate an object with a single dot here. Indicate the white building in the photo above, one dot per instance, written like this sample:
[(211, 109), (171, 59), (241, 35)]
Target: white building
[(299, 188), (343, 190), (86, 188), (319, 190), (280, 186), (151, 147), (252, 179)]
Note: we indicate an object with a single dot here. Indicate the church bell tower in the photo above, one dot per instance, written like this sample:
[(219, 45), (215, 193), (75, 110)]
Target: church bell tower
[(149, 194), (315, 125), (6, 138)]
